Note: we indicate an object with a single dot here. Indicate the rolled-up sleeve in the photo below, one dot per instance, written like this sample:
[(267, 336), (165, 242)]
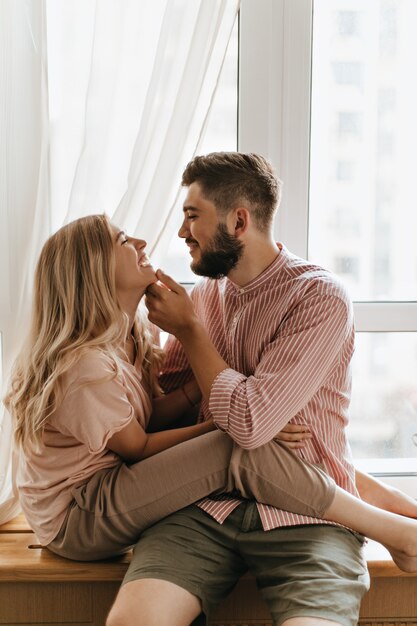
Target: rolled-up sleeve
[(306, 348)]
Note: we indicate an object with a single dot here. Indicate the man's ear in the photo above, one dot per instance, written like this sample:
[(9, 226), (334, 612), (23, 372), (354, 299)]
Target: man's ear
[(241, 220)]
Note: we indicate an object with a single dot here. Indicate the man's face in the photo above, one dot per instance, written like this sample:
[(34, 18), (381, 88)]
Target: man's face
[(214, 251)]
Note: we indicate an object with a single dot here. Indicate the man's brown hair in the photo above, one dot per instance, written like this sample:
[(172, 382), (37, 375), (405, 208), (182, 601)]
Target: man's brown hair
[(230, 179)]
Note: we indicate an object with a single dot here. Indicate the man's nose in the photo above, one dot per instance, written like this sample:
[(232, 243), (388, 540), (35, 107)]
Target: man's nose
[(183, 231)]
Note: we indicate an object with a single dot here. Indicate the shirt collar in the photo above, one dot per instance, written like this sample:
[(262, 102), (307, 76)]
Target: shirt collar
[(264, 277)]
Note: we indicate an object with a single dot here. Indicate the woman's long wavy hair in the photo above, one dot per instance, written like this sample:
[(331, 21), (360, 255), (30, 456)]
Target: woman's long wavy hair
[(75, 308)]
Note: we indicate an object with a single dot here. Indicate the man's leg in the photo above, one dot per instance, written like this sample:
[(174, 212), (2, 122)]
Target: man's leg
[(181, 566), (314, 574), (154, 603)]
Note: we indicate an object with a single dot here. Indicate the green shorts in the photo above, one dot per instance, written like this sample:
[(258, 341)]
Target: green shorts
[(310, 570)]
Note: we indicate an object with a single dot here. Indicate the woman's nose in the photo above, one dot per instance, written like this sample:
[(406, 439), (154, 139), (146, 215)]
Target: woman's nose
[(140, 243)]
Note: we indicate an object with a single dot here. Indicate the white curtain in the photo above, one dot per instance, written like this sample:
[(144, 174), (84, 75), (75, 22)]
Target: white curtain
[(103, 104)]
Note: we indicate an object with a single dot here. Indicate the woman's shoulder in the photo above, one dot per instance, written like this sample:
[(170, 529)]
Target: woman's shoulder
[(92, 364)]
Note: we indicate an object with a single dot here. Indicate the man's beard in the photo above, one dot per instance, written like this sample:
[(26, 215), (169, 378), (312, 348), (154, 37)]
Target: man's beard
[(221, 255)]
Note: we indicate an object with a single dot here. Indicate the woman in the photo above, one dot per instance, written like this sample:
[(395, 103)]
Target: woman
[(98, 463)]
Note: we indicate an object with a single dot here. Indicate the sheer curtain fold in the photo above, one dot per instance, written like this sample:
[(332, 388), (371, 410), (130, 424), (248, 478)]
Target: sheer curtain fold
[(24, 193), (108, 128), (152, 118)]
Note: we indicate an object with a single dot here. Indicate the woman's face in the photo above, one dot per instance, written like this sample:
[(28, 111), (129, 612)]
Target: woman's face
[(134, 273)]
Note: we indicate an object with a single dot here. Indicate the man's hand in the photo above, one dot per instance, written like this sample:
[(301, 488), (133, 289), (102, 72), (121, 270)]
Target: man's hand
[(294, 436), (169, 305)]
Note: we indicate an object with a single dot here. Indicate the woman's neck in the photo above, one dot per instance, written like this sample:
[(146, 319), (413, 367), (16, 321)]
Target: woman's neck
[(129, 305), (131, 349)]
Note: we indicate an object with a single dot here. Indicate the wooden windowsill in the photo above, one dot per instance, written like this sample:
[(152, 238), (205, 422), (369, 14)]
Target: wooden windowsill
[(22, 558)]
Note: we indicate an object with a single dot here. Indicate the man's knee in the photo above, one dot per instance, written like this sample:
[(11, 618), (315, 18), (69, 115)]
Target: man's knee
[(153, 602)]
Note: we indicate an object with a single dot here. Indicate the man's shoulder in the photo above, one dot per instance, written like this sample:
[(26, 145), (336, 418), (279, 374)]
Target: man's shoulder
[(311, 277)]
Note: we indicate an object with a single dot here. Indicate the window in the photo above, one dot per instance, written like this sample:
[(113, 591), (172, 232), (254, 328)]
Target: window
[(344, 170), (379, 175), (349, 123), (337, 118), (348, 23), (383, 414), (348, 73), (347, 266), (345, 223), (384, 395)]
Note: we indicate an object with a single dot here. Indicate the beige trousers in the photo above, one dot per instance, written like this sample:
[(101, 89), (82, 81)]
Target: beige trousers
[(111, 510)]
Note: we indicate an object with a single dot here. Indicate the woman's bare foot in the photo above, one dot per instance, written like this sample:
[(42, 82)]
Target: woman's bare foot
[(397, 533), (405, 562)]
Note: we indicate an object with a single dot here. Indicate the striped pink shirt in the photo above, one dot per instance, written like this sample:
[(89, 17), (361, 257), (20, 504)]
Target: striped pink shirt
[(288, 338)]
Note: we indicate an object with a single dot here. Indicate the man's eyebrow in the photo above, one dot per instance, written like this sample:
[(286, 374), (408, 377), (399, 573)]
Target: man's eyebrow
[(189, 207)]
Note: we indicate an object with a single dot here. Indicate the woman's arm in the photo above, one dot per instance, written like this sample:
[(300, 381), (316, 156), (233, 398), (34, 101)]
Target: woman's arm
[(133, 444), (169, 408)]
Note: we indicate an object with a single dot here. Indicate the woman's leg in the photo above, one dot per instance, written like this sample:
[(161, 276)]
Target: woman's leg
[(115, 506), (397, 533)]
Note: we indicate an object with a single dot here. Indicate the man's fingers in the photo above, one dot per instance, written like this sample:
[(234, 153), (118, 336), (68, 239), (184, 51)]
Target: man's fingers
[(156, 290), (168, 281)]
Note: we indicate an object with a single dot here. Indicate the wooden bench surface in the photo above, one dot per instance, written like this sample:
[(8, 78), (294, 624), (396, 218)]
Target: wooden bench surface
[(16, 525), (23, 559)]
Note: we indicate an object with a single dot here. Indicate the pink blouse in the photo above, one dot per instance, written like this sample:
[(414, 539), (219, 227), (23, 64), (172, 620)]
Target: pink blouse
[(76, 435)]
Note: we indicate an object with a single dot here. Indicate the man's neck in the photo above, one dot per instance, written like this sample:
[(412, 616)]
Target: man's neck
[(258, 255)]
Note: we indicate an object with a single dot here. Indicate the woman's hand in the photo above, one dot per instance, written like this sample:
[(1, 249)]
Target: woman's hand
[(207, 426), (192, 393), (176, 409), (294, 436)]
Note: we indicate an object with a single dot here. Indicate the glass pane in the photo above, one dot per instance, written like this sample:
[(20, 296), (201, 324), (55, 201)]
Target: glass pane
[(220, 135), (383, 416), (363, 216)]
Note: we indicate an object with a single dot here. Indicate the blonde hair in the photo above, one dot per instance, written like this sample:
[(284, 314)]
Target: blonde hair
[(75, 308)]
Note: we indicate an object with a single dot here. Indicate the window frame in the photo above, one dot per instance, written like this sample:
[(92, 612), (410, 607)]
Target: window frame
[(274, 120)]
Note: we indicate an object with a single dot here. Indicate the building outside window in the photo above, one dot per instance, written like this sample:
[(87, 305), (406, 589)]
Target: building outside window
[(382, 261)]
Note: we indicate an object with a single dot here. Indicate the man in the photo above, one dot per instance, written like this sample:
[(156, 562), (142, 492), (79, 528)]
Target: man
[(269, 341)]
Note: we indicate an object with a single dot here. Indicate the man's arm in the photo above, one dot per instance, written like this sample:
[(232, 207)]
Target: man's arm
[(172, 310), (292, 368)]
